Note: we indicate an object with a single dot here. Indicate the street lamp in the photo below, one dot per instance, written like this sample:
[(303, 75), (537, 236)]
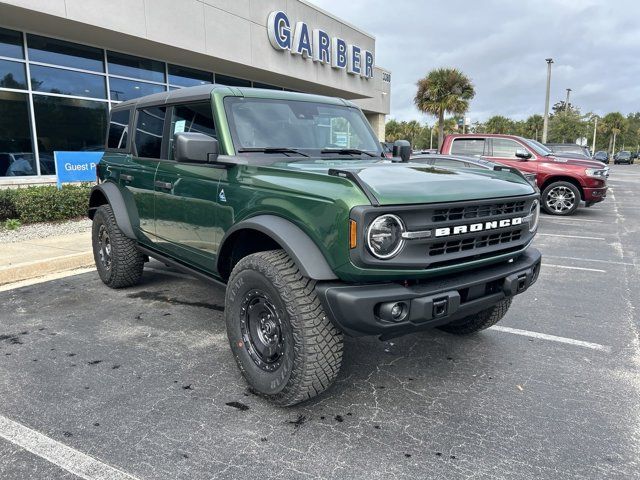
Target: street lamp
[(595, 127), (545, 125), (566, 102)]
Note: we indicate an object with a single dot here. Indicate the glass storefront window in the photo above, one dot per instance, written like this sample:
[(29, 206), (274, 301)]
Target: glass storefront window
[(12, 75), (135, 67), (122, 89), (16, 147), (11, 44), (67, 124), (67, 54), (232, 81), (188, 77), (266, 86), (67, 82)]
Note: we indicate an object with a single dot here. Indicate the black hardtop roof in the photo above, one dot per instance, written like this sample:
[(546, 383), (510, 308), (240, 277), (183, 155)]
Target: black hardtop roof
[(203, 92)]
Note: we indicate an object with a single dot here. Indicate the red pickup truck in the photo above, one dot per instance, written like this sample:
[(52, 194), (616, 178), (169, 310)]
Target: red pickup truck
[(563, 181)]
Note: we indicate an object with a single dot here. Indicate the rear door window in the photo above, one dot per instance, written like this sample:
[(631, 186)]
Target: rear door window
[(149, 128), (119, 130), (468, 146)]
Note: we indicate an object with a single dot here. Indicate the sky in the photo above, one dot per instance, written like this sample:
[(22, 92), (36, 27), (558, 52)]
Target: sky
[(502, 46)]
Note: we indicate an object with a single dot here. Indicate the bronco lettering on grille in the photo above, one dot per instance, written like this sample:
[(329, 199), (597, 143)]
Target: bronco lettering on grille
[(478, 227)]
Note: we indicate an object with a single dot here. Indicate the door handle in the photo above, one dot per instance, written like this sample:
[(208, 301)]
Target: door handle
[(126, 178), (164, 185)]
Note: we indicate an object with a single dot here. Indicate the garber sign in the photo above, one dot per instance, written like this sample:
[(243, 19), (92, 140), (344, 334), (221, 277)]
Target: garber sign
[(318, 45)]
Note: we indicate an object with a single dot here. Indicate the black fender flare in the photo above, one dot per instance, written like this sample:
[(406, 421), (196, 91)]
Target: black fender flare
[(292, 239), (114, 198)]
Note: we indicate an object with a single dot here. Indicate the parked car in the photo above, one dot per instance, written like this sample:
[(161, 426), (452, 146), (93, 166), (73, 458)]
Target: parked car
[(311, 239), (569, 148), (451, 161), (17, 164), (602, 156), (623, 156), (563, 181)]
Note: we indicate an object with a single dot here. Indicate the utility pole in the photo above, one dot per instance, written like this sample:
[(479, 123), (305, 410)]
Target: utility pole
[(431, 139), (595, 127), (545, 125), (566, 102)]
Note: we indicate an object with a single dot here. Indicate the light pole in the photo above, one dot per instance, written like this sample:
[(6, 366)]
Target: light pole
[(545, 125), (595, 127), (431, 139), (566, 102)]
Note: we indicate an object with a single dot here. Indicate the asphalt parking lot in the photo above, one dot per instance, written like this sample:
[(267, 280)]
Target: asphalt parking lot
[(143, 382)]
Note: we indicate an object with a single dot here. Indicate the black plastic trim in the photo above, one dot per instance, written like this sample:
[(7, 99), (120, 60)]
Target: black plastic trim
[(352, 307), (113, 195), (295, 242)]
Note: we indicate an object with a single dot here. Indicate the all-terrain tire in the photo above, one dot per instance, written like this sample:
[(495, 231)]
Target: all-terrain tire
[(123, 265), (565, 190), (479, 321), (310, 355)]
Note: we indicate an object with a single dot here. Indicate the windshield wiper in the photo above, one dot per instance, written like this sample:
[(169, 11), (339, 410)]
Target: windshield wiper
[(347, 151), (272, 150)]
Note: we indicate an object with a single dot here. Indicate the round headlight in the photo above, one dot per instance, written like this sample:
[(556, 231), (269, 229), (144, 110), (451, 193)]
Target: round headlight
[(534, 215), (384, 236)]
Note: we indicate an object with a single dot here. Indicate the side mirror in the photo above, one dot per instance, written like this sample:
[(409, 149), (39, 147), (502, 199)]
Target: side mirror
[(195, 148), (522, 153), (402, 149)]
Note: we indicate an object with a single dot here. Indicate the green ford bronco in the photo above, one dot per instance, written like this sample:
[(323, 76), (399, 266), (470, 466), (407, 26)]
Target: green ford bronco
[(288, 202)]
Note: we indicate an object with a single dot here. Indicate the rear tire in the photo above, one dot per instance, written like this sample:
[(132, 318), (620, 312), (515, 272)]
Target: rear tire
[(118, 260), (284, 344), (479, 321), (560, 198)]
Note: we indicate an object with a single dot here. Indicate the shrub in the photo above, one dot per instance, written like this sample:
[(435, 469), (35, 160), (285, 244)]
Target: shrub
[(12, 224), (7, 204), (46, 203)]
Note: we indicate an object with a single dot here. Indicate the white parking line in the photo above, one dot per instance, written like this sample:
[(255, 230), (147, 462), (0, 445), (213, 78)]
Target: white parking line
[(589, 260), (67, 458), (569, 236), (552, 338), (574, 219), (574, 268)]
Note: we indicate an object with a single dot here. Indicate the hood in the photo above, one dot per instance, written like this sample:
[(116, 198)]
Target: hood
[(568, 159), (410, 183)]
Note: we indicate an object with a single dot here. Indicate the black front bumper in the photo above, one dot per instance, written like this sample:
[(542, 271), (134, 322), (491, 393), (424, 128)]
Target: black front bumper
[(355, 308)]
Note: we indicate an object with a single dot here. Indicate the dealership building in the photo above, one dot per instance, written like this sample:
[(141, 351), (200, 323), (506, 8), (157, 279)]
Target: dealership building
[(64, 63)]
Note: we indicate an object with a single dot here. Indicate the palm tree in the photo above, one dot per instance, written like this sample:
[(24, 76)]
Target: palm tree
[(614, 123), (444, 90)]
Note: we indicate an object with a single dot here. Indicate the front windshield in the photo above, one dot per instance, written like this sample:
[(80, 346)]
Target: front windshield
[(258, 123), (538, 147)]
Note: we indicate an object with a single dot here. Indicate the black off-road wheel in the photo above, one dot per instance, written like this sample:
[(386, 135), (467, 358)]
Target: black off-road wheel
[(284, 344), (118, 260), (560, 198), (479, 321)]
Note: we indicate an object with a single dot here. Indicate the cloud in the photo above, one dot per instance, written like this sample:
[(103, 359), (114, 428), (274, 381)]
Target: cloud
[(501, 46)]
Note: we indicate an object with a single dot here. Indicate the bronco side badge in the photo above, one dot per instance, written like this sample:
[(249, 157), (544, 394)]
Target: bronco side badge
[(222, 197)]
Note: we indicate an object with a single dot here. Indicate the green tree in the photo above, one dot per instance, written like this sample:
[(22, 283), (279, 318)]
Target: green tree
[(533, 127), (614, 124), (499, 124), (444, 90)]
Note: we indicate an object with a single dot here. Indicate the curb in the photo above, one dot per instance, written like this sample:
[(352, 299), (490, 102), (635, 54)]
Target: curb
[(28, 270)]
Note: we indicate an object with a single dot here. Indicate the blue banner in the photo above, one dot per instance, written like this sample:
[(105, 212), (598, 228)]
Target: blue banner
[(76, 166)]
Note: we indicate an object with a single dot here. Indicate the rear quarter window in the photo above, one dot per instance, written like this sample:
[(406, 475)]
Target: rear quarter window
[(118, 136), (468, 146)]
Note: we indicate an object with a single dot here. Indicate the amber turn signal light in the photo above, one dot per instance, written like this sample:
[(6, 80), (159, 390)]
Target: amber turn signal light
[(353, 234)]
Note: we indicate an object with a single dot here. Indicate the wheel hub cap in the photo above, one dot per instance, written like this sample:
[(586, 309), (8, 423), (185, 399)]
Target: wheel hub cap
[(261, 330), (560, 199), (104, 247)]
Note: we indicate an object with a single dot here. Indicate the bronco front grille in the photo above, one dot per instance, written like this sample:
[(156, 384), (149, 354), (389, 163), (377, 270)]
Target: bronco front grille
[(477, 211), (455, 246)]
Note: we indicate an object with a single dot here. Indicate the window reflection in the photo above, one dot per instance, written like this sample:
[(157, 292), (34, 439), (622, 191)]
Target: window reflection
[(67, 82), (232, 81), (67, 54), (67, 124), (188, 77), (127, 89), (12, 75), (16, 150), (11, 44), (135, 67)]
